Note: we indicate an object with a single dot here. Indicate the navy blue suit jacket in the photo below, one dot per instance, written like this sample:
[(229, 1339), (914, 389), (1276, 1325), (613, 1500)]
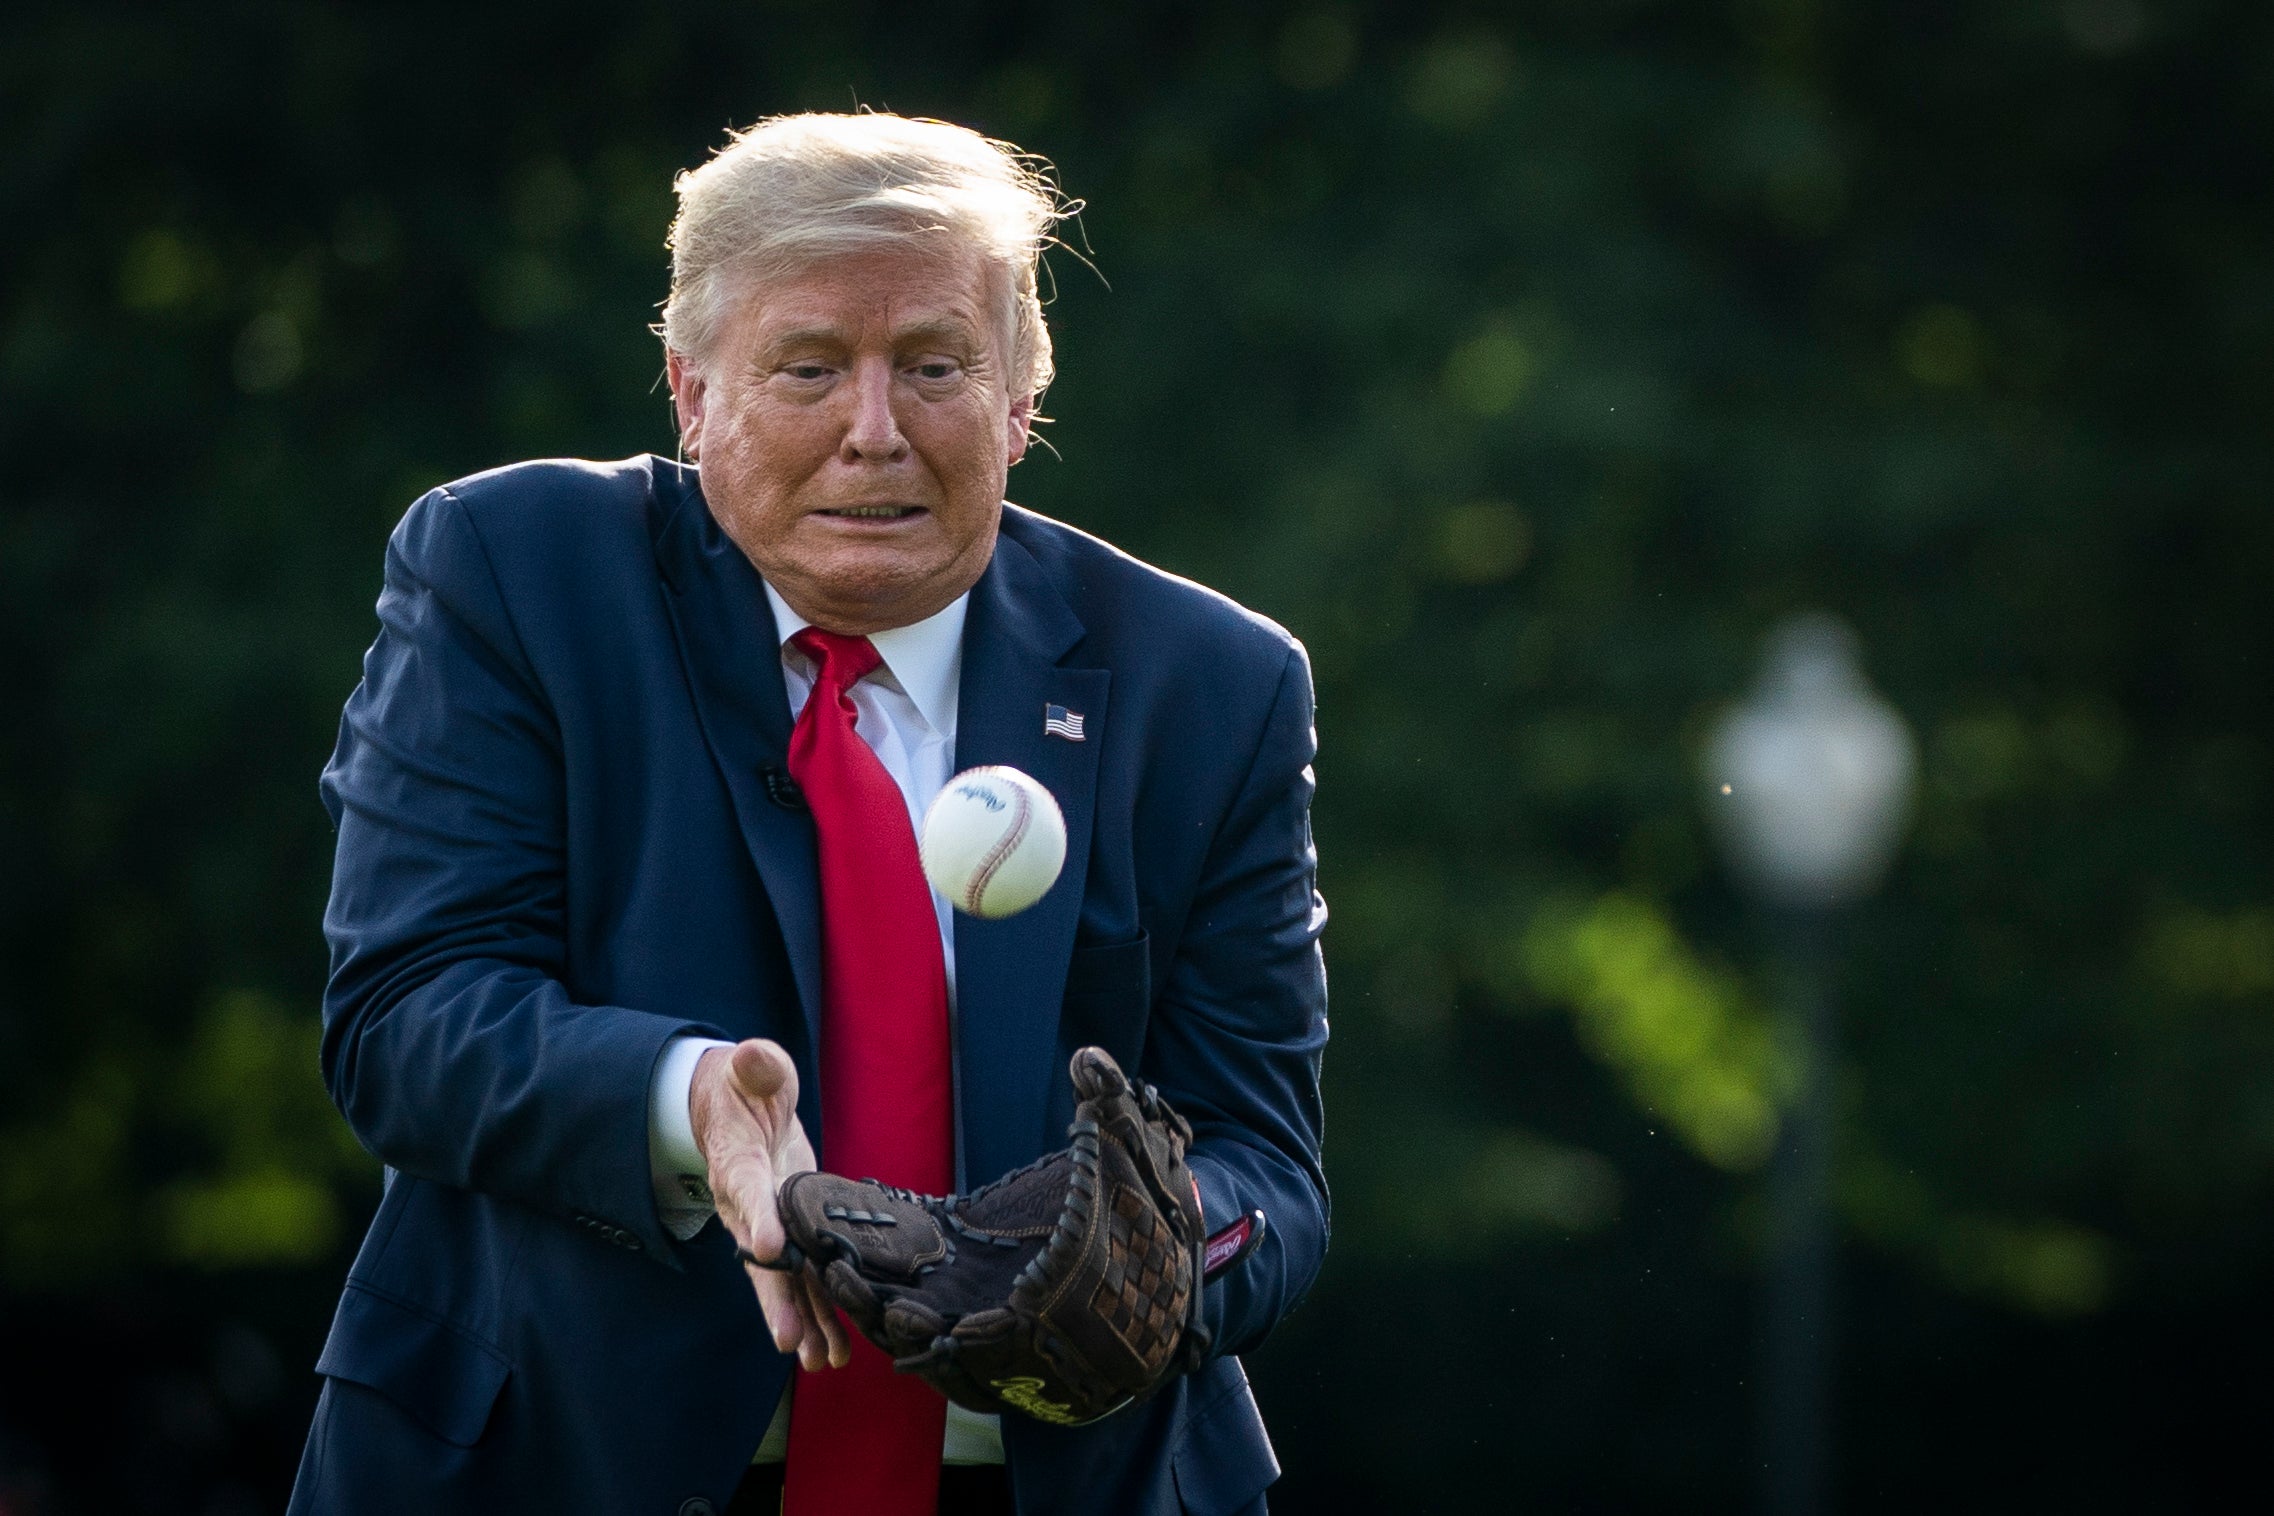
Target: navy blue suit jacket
[(566, 836)]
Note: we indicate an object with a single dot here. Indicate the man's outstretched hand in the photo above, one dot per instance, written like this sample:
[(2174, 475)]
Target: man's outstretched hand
[(743, 1106)]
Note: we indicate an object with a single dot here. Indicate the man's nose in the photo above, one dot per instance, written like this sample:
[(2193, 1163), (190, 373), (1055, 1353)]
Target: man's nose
[(874, 432)]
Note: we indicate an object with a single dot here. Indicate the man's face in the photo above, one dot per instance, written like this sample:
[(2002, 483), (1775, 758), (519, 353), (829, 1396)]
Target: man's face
[(854, 424)]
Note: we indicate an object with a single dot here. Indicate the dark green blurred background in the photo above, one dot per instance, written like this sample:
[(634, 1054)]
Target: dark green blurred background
[(1528, 362)]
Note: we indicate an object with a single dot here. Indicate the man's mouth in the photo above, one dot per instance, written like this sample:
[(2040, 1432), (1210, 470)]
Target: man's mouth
[(874, 512)]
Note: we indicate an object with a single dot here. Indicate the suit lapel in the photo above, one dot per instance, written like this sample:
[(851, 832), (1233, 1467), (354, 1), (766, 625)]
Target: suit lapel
[(1011, 974), (732, 655)]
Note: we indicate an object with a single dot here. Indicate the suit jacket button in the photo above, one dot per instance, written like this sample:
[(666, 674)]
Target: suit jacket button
[(696, 1505)]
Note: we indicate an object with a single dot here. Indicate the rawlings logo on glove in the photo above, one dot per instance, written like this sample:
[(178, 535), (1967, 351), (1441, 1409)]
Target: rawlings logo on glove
[(1064, 1290)]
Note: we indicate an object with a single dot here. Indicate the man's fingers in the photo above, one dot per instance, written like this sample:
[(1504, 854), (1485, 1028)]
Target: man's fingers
[(794, 1155), (830, 1325), (763, 1226), (744, 1187), (798, 1314), (813, 1347), (801, 1319), (780, 1299)]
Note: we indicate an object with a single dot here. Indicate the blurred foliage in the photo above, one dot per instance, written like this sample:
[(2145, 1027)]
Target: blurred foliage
[(247, 1161), (1691, 1047), (1530, 362)]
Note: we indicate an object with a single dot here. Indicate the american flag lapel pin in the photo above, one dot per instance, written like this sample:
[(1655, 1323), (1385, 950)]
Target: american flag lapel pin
[(1057, 721)]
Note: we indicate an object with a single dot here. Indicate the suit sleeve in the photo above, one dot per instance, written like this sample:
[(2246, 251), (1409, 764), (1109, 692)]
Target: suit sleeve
[(450, 1043), (1238, 1032)]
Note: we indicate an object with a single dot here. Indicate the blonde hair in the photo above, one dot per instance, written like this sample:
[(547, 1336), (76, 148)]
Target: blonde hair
[(793, 190)]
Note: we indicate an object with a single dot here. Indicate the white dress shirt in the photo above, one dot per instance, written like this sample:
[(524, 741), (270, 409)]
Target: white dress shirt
[(906, 713)]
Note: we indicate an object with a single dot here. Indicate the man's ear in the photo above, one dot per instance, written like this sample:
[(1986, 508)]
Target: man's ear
[(1022, 426), (687, 395)]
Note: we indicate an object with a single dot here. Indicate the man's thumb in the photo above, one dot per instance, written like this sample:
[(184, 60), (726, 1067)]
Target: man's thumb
[(764, 1070)]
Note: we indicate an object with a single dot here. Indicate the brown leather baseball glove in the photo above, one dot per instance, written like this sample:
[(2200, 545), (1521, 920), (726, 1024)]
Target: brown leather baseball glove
[(1065, 1290)]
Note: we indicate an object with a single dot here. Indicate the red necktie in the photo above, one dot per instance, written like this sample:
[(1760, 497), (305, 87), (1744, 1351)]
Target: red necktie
[(865, 1441)]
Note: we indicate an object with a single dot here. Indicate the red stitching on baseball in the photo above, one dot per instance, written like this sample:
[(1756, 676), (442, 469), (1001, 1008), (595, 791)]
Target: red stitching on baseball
[(1004, 846)]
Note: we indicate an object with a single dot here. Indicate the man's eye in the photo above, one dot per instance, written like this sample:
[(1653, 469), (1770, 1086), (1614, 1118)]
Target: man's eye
[(939, 369), (807, 371)]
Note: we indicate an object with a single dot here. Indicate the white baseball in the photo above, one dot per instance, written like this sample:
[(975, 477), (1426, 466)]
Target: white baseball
[(993, 842)]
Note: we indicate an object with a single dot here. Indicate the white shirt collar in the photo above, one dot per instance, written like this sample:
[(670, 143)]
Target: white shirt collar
[(924, 658)]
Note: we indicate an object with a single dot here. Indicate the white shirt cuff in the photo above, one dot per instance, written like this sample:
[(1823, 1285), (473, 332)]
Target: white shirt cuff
[(682, 1193)]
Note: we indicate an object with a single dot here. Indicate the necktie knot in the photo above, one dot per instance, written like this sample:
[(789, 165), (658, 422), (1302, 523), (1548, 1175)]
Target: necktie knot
[(839, 661)]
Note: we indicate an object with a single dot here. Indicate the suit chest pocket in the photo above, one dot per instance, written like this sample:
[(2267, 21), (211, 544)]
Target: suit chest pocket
[(1109, 996)]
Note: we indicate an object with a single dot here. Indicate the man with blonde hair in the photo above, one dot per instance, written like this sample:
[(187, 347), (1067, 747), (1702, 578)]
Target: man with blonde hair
[(626, 917)]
